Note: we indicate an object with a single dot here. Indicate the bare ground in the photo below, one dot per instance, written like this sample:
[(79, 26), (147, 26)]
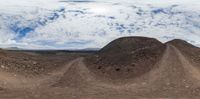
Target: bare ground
[(173, 76)]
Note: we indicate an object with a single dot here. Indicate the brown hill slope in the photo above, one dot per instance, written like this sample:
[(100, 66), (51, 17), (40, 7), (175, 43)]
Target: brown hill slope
[(30, 63), (126, 58), (172, 75), (139, 67), (191, 52)]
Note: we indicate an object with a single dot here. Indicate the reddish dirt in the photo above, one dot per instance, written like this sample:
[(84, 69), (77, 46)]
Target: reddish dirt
[(173, 74)]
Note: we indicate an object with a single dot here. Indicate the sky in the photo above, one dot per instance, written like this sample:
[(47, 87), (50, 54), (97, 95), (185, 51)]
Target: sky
[(79, 24)]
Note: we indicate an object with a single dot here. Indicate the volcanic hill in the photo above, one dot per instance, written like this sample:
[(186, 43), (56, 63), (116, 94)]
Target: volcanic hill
[(126, 58), (126, 68)]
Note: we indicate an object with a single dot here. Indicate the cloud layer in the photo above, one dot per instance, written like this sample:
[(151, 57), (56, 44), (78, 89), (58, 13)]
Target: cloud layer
[(51, 24)]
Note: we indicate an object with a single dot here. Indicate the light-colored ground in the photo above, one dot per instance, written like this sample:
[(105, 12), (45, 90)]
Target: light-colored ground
[(173, 77)]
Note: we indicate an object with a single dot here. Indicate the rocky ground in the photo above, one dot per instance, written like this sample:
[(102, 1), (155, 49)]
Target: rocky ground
[(127, 68)]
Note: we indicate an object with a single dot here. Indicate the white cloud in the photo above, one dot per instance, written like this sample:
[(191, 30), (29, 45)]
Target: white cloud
[(62, 25)]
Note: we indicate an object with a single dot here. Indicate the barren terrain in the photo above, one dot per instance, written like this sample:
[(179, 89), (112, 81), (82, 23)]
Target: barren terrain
[(127, 68)]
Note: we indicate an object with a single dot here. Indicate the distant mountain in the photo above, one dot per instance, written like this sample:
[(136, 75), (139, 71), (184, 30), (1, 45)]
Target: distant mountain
[(12, 48), (91, 49)]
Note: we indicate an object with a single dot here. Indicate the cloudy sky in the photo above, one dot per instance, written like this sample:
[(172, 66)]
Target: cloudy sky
[(79, 24)]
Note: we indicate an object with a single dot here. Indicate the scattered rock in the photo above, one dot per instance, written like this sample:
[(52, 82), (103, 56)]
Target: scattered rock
[(2, 66), (34, 63)]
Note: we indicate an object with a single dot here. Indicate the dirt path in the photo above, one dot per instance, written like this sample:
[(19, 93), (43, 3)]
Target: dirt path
[(172, 77), (16, 81), (188, 66)]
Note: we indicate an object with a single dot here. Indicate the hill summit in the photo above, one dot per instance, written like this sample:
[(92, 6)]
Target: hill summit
[(127, 57)]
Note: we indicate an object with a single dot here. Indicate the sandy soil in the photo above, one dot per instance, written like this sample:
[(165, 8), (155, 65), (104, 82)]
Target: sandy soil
[(173, 76)]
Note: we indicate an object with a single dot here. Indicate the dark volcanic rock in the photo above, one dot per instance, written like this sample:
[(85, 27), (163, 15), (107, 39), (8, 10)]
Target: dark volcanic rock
[(126, 57)]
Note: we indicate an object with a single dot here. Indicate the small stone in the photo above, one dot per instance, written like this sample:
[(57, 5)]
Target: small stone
[(168, 84), (2, 66), (144, 83), (187, 86), (34, 63)]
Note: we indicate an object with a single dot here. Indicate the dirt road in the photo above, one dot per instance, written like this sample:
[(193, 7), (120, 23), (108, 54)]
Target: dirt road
[(172, 77)]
